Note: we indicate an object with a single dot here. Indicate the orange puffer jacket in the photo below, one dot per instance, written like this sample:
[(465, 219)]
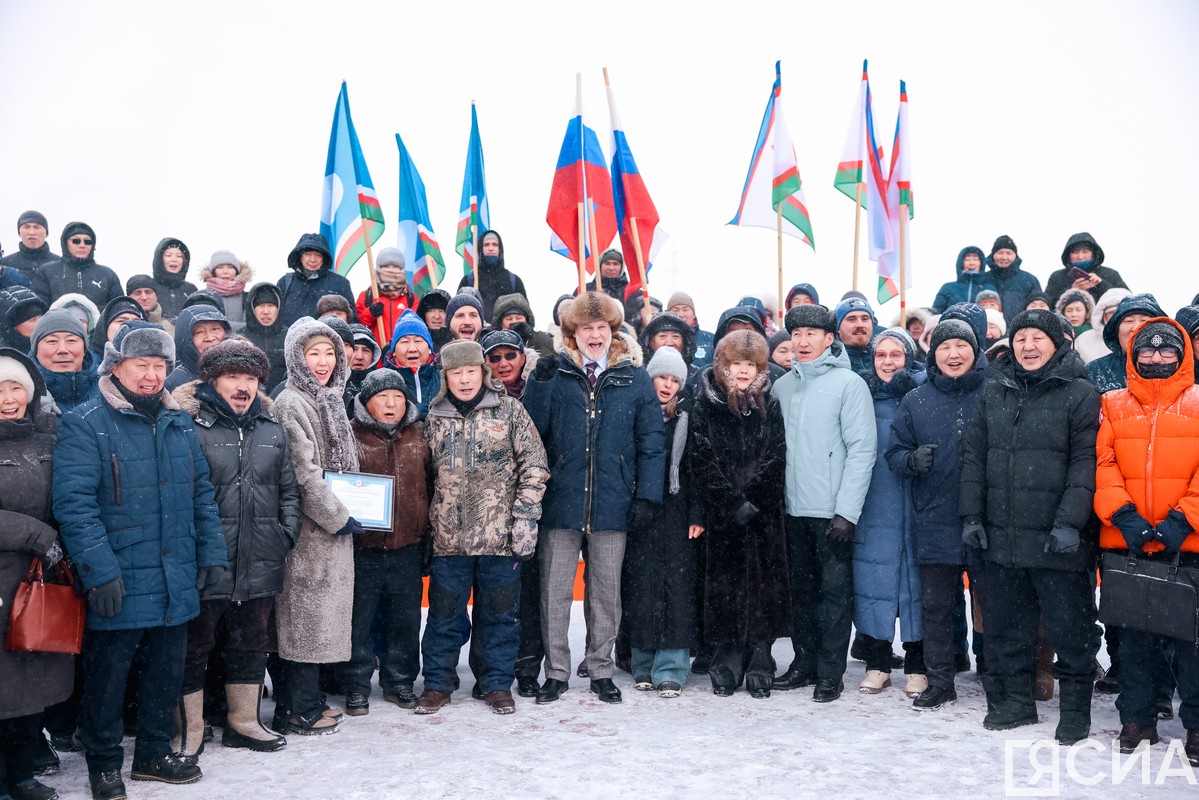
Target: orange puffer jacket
[(1148, 449)]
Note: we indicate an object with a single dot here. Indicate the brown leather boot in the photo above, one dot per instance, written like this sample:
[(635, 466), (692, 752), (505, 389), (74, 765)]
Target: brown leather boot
[(1192, 746), (430, 702), (1133, 733)]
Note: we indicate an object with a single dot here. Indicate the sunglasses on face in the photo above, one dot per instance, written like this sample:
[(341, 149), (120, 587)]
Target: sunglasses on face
[(496, 358), (80, 240)]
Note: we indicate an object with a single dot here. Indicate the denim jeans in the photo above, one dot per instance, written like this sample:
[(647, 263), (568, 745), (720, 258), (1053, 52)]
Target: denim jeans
[(662, 665)]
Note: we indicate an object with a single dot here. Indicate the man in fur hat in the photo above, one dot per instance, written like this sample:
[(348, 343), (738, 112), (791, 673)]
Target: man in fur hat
[(602, 427)]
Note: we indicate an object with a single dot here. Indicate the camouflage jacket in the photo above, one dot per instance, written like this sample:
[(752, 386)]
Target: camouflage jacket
[(490, 470)]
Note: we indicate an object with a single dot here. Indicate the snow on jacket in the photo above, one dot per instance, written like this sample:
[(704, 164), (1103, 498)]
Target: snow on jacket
[(71, 389), (494, 281), (11, 276), (172, 288), (404, 453), (26, 260), (232, 293), (886, 580), (267, 339), (1090, 345), (250, 468), (1148, 450), (30, 681), (1028, 464), (301, 291), (187, 357), (736, 458), (84, 276), (491, 471), (1013, 284), (605, 446), (968, 284), (1111, 371), (939, 412), (317, 602), (1061, 280), (133, 499), (831, 438)]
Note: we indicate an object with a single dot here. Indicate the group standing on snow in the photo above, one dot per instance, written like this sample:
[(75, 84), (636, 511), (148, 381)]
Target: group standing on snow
[(823, 483)]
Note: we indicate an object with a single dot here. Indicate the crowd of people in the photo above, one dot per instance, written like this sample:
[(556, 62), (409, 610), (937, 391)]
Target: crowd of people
[(824, 483)]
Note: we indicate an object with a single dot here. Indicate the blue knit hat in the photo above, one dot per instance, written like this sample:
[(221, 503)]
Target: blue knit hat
[(847, 307), (1187, 317), (410, 324)]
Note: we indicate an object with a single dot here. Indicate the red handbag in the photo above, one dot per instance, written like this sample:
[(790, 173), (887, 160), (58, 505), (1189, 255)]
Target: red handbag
[(46, 617)]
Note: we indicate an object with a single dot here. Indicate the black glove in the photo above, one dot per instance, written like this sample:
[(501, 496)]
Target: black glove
[(526, 557), (1173, 531), (52, 556), (641, 514), (974, 535), (1062, 540), (352, 527), (920, 460), (1136, 529), (376, 309), (105, 599), (208, 577), (840, 530), (522, 329), (744, 513), (546, 367)]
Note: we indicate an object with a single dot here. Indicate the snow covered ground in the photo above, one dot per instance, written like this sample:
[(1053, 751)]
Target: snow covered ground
[(697, 746)]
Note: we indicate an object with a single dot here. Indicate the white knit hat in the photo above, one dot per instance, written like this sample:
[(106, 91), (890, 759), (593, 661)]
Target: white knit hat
[(667, 361), (13, 370)]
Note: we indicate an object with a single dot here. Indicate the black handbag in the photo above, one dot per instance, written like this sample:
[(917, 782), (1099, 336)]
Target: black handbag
[(1157, 597)]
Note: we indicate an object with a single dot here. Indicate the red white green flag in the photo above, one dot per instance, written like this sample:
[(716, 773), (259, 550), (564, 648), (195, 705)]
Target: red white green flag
[(851, 168)]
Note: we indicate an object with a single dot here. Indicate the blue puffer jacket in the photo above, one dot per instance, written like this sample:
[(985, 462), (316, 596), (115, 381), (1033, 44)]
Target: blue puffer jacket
[(886, 581), (937, 413), (602, 452), (71, 389), (1111, 371), (133, 501), (966, 287)]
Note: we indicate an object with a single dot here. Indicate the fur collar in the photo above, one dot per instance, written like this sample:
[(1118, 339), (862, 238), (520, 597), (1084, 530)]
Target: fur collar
[(185, 396), (112, 395), (623, 350)]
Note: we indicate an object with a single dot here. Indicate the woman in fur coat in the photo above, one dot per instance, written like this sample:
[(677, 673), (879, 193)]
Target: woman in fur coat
[(738, 457), (315, 610)]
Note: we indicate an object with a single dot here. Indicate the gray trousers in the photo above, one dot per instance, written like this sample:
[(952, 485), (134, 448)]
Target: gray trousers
[(558, 550)]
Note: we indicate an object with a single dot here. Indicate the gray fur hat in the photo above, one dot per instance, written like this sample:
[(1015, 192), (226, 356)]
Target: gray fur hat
[(667, 361), (138, 339), (460, 353)]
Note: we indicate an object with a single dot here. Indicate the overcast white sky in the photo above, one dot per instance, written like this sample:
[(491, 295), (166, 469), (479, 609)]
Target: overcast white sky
[(211, 121)]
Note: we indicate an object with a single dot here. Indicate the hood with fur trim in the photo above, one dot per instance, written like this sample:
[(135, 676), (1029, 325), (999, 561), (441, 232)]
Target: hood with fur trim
[(299, 376)]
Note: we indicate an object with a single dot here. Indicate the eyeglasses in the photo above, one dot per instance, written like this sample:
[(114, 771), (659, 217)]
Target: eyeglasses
[(80, 240), (496, 358)]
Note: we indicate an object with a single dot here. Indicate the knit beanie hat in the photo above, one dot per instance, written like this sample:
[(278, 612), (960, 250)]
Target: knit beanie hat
[(233, 356), (667, 361), (224, 258), (13, 370), (390, 257), (138, 339), (680, 299), (139, 282), (996, 318), (1004, 243), (333, 302), (1034, 297), (340, 327), (458, 301), (381, 380), (612, 254), (1157, 335), (36, 217), (1042, 320), (774, 341), (121, 305), (900, 335), (850, 305), (502, 338), (57, 320), (987, 294), (810, 315), (23, 305), (1187, 317), (410, 324), (365, 336), (460, 353), (953, 329)]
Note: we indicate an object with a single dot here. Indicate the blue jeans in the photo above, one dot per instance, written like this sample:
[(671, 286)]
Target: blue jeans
[(448, 628), (662, 665)]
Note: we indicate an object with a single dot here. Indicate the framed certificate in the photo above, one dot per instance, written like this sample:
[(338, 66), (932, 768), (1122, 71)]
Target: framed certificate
[(367, 497)]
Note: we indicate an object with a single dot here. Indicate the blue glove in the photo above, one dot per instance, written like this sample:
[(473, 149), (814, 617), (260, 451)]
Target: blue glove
[(352, 528), (1173, 531), (1062, 540), (1135, 529), (105, 599), (974, 535)]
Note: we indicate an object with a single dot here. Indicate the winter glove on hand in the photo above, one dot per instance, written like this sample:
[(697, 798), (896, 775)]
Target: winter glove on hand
[(1173, 531), (105, 599), (840, 530), (546, 367), (746, 512), (920, 460), (974, 535), (376, 309), (524, 538), (208, 577), (641, 514), (522, 329), (352, 527), (1136, 529), (1062, 540), (52, 556)]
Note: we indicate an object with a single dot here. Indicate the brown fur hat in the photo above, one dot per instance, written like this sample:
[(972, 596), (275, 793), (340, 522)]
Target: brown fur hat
[(742, 345), (588, 307)]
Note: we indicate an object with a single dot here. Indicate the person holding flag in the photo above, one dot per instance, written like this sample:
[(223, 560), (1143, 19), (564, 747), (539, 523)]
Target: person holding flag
[(391, 300)]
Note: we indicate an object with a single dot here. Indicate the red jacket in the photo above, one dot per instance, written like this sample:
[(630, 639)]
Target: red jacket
[(1148, 449), (393, 307)]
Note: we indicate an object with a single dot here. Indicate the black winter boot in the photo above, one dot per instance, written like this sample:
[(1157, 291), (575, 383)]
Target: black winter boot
[(1017, 707), (1074, 724)]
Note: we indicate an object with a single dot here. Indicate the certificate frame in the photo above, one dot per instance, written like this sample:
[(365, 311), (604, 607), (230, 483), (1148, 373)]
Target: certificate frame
[(369, 498)]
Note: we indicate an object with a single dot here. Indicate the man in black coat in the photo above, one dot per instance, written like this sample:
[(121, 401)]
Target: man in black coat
[(32, 251), (169, 268), (311, 278), (250, 467), (1028, 483), (495, 279), (77, 270), (1082, 268)]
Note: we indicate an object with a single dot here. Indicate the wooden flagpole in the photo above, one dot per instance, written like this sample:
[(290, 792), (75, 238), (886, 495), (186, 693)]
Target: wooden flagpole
[(781, 312), (580, 254), (474, 236), (903, 268), (645, 312), (370, 263), (857, 227)]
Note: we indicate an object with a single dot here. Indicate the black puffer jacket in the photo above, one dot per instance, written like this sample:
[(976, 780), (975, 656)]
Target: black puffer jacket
[(268, 339), (256, 492), (495, 280), (27, 260), (83, 276), (172, 287), (1061, 280), (302, 290), (1028, 464)]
